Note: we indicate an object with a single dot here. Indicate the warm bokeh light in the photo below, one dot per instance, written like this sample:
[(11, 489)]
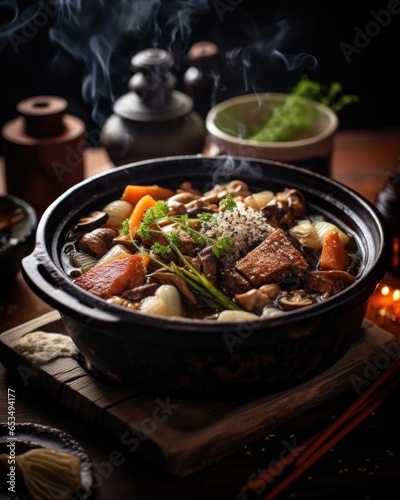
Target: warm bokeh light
[(385, 290), (384, 308)]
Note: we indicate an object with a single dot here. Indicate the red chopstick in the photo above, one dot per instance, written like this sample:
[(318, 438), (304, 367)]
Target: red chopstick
[(307, 454), (305, 462)]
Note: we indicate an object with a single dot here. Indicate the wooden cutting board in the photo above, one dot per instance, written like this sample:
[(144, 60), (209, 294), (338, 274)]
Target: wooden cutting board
[(183, 436)]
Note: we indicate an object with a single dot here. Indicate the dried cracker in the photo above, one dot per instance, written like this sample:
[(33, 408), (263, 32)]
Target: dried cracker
[(42, 347)]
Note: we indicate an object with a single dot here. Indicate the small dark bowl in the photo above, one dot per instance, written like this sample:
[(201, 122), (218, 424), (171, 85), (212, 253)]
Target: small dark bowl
[(196, 358), (18, 241)]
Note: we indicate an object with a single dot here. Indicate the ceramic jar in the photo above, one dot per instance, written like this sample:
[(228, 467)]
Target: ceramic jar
[(388, 203), (153, 119), (200, 78), (43, 151)]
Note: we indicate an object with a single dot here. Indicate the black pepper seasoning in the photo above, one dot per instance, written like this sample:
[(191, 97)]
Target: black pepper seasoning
[(388, 203)]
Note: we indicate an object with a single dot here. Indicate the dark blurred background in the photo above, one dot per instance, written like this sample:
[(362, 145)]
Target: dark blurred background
[(82, 50)]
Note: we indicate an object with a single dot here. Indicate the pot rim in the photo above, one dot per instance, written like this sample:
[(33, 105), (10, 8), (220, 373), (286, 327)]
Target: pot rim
[(48, 280)]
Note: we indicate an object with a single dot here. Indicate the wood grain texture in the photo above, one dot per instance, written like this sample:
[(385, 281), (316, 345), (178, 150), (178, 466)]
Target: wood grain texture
[(180, 436)]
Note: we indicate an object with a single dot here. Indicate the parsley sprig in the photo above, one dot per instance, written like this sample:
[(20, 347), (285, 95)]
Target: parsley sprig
[(153, 222), (296, 113)]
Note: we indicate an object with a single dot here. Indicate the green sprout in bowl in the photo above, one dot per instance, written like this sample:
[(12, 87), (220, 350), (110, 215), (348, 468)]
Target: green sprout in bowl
[(297, 112)]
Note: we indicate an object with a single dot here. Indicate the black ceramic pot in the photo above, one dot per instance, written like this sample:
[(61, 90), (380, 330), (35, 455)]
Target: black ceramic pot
[(16, 242), (202, 359)]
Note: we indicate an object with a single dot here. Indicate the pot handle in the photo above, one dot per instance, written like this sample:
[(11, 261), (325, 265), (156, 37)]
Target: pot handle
[(47, 284)]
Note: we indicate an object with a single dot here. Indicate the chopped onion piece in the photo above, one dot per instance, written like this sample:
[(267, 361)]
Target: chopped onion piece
[(237, 316), (271, 312), (259, 200), (323, 228), (306, 233), (117, 211), (165, 302)]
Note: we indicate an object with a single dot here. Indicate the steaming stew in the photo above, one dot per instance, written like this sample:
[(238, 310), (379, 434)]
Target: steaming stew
[(228, 254)]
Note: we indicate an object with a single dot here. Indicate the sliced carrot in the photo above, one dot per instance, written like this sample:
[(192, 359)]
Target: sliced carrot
[(146, 259), (138, 211), (134, 193), (114, 276), (334, 254)]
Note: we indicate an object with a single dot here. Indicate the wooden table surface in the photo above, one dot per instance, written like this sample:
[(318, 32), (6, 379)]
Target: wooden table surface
[(365, 465)]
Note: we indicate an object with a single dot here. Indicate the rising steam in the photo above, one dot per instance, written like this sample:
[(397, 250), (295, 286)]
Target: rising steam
[(266, 52), (97, 33), (103, 35)]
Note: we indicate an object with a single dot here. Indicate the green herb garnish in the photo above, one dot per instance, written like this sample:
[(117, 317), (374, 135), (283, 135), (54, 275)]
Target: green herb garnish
[(228, 203), (124, 231), (152, 223), (297, 113)]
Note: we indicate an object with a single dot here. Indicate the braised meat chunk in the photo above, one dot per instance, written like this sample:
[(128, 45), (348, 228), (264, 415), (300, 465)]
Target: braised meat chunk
[(234, 282), (328, 282), (274, 260)]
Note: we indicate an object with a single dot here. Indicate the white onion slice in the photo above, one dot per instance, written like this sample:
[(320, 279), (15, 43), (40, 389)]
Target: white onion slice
[(259, 200), (305, 232), (118, 211), (323, 228), (271, 312), (228, 315), (165, 302)]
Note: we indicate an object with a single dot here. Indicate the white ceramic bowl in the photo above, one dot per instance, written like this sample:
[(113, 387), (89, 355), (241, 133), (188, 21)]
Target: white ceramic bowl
[(232, 121)]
